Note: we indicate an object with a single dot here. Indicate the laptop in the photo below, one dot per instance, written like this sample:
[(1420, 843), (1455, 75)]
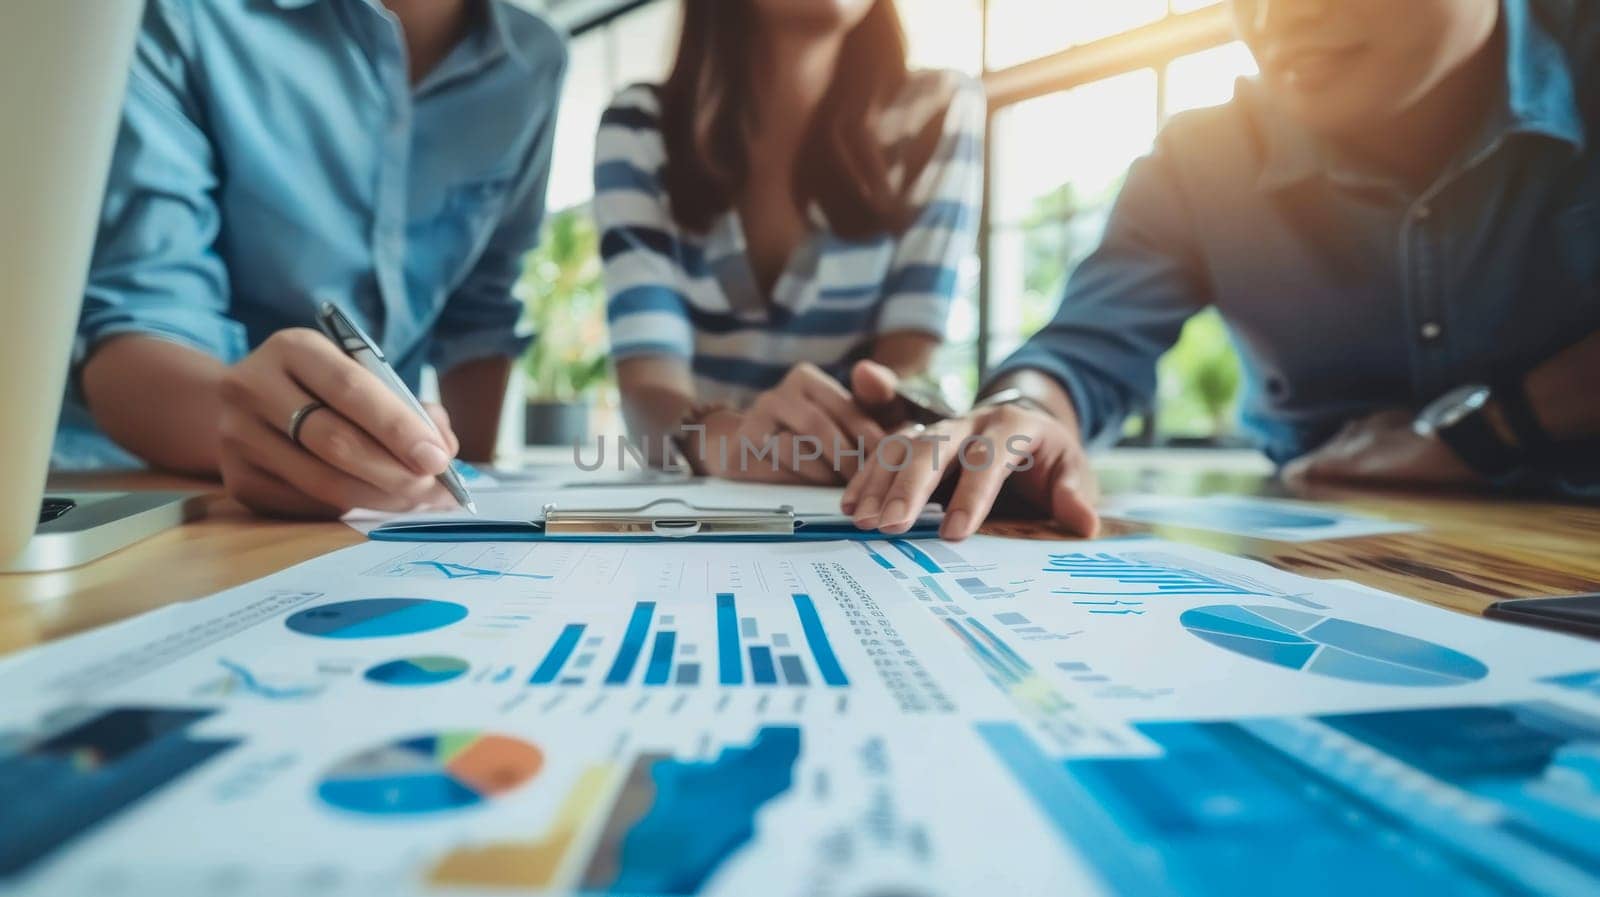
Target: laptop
[(63, 71)]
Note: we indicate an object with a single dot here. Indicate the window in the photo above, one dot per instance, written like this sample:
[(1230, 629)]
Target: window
[(635, 47), (1024, 30), (1077, 99)]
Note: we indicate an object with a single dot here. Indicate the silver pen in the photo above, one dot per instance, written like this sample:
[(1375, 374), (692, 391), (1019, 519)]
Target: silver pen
[(363, 351)]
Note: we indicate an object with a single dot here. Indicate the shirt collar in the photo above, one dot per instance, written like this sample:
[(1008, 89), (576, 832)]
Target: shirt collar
[(1539, 99)]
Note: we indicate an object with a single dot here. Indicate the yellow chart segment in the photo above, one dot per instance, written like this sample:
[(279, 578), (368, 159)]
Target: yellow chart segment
[(529, 864)]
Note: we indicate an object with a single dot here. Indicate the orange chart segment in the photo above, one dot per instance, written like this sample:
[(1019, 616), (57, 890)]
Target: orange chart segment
[(493, 764)]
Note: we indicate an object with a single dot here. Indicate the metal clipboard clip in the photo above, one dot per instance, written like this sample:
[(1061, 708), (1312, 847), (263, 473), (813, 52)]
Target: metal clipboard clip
[(669, 518)]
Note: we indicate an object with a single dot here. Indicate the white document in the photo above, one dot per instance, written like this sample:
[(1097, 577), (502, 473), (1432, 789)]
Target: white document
[(1257, 518), (996, 716)]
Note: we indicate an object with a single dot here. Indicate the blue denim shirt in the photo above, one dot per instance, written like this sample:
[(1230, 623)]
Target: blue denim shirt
[(1345, 292), (273, 154)]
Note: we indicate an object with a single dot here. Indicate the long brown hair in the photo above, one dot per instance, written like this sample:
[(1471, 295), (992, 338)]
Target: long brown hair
[(707, 109)]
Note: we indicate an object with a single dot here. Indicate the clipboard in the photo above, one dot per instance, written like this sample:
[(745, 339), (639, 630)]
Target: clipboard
[(662, 520)]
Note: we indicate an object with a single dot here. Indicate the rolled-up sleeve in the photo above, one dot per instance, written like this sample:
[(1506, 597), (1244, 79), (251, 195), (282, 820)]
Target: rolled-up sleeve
[(482, 317), (645, 277), (1125, 305), (924, 274), (155, 270)]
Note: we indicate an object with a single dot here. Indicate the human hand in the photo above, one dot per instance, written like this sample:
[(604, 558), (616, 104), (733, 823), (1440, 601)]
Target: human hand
[(1039, 458), (1382, 448), (365, 449), (807, 403)]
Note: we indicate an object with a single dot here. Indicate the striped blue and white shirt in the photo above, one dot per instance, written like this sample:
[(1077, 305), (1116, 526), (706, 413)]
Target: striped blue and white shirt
[(694, 296)]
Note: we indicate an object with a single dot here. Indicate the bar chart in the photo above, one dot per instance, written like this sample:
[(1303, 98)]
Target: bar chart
[(656, 648), (938, 557), (1139, 577)]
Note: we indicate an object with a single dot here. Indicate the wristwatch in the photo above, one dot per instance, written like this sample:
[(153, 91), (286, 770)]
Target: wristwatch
[(1460, 419), (1012, 396)]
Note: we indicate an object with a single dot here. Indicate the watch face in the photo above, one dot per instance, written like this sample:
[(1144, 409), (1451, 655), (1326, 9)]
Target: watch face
[(1451, 409)]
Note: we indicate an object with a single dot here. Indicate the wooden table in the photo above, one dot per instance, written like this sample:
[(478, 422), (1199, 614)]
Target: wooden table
[(1474, 551)]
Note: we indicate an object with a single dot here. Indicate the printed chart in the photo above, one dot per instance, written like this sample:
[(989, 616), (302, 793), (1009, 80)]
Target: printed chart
[(375, 618), (430, 773), (410, 671), (1329, 646), (799, 656)]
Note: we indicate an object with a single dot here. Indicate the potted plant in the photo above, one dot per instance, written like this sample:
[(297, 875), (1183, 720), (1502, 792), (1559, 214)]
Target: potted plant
[(1200, 385), (565, 305)]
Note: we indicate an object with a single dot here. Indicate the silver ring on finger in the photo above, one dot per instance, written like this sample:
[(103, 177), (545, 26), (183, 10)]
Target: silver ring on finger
[(298, 420)]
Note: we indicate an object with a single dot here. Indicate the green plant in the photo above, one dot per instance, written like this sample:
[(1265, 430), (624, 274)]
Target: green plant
[(565, 300), (1199, 380)]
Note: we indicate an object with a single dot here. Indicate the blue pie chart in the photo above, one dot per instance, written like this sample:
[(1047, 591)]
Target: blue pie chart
[(1235, 516), (410, 671), (375, 618), (1328, 646)]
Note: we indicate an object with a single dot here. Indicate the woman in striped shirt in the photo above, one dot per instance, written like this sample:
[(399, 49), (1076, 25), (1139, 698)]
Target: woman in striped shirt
[(786, 211)]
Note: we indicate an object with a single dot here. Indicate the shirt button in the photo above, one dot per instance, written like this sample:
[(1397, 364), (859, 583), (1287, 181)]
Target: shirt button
[(1431, 331), (1422, 213)]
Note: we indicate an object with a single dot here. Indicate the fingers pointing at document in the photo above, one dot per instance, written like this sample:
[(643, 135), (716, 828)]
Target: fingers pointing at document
[(1013, 444)]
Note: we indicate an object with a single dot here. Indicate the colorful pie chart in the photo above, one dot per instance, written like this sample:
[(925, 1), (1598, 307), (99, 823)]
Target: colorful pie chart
[(375, 618), (430, 670), (1329, 646), (430, 773)]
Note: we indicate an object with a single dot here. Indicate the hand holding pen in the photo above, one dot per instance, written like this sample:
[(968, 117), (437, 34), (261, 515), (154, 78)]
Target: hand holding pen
[(308, 431)]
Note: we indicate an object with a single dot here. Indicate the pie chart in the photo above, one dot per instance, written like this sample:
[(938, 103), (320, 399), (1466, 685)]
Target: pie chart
[(430, 773), (1329, 646), (375, 617), (417, 670), (1234, 515)]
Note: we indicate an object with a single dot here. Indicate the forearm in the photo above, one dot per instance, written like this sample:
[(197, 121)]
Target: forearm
[(657, 395), (907, 353), (473, 394), (158, 399), (1561, 392)]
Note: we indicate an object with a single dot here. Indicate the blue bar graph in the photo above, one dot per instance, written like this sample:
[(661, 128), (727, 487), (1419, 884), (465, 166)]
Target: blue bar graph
[(1161, 580), (730, 670), (794, 672), (559, 652), (660, 665), (817, 638), (879, 559), (917, 556), (762, 671), (632, 643)]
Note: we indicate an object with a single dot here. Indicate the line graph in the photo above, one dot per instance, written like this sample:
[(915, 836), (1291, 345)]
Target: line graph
[(465, 571), (470, 562)]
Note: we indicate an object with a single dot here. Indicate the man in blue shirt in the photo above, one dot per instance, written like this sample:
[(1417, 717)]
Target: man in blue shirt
[(388, 157), (1400, 224)]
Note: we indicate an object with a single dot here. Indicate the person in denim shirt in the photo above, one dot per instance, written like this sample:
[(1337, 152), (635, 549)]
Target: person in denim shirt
[(1399, 222), (388, 157)]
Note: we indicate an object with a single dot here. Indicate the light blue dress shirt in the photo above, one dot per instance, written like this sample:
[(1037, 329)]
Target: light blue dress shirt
[(1345, 291), (274, 155)]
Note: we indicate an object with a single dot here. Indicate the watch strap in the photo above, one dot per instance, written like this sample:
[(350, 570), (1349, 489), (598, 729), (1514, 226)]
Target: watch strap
[(1511, 395), (1475, 441)]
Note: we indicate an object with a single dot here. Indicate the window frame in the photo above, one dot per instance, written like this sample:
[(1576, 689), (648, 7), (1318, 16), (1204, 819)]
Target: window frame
[(1152, 46)]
